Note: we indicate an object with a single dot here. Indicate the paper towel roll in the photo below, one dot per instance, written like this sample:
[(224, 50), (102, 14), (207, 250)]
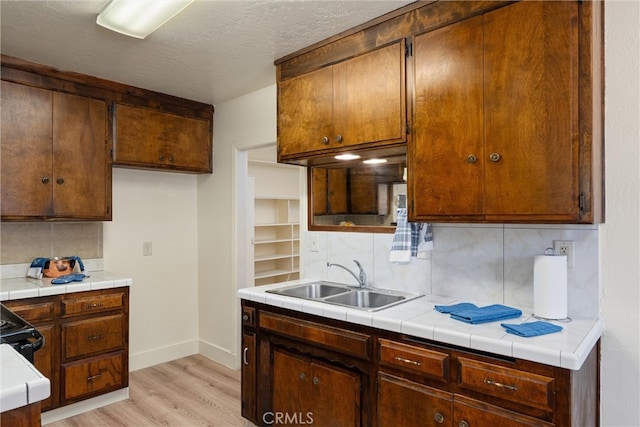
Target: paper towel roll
[(550, 286)]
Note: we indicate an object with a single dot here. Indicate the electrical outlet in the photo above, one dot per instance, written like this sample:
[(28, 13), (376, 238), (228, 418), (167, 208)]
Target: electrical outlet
[(565, 247), (314, 243), (147, 248)]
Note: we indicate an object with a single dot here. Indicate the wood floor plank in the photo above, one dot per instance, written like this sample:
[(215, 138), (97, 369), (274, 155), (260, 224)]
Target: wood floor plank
[(192, 391)]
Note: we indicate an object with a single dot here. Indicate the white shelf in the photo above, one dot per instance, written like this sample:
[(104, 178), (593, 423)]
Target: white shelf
[(276, 240)]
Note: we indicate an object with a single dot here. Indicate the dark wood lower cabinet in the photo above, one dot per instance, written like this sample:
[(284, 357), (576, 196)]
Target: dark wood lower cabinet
[(300, 369), (306, 391)]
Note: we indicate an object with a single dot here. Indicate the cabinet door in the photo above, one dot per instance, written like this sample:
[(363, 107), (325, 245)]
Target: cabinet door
[(405, 403), (474, 413), (305, 113), (446, 160), (309, 392), (82, 166), (44, 362), (291, 382), (531, 110), (26, 151), (369, 97), (249, 366), (336, 395), (147, 138)]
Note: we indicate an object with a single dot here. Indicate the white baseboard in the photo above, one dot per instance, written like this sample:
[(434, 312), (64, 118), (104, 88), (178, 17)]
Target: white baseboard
[(162, 355), (84, 406), (220, 355)]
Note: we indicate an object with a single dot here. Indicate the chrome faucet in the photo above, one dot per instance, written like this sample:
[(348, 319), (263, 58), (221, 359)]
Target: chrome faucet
[(361, 277)]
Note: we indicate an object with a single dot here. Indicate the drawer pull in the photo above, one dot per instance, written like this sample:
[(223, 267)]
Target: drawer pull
[(412, 362), (438, 417), (245, 353), (94, 305), (95, 337), (507, 386), (94, 377)]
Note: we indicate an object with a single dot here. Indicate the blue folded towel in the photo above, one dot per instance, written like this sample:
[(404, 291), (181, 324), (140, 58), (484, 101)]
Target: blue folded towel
[(76, 277), (531, 329), (462, 306), (489, 313)]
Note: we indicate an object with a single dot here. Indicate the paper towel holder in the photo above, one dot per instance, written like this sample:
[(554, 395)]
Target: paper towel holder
[(551, 252)]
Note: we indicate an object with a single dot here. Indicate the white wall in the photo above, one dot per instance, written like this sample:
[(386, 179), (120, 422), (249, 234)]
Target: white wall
[(157, 207), (620, 235), (242, 123)]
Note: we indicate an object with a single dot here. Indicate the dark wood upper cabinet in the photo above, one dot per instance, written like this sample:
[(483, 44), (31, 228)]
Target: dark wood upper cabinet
[(503, 106), (497, 118), (56, 160), (354, 104), (153, 139)]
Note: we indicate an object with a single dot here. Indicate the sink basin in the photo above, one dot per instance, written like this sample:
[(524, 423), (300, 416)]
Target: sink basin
[(370, 299), (366, 299), (316, 290)]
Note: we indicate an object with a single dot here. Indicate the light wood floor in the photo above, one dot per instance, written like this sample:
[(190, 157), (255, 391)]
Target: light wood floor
[(192, 391)]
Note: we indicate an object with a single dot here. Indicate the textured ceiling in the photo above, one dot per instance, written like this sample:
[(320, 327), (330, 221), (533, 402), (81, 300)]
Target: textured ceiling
[(213, 51)]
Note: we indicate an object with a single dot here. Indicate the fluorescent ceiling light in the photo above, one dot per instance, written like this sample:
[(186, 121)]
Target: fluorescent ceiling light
[(347, 156), (139, 18), (374, 161)]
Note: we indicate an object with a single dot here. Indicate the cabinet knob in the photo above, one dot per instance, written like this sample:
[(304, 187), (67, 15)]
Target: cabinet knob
[(45, 180), (245, 317), (171, 159), (438, 417), (463, 423), (60, 181), (339, 138), (494, 157), (315, 381), (325, 140), (161, 157), (471, 158), (302, 375)]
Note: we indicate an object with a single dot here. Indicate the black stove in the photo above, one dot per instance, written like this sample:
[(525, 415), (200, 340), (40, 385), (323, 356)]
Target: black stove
[(20, 334)]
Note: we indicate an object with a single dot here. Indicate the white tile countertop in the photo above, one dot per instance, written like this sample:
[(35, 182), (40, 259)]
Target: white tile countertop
[(26, 287), (21, 383), (566, 349)]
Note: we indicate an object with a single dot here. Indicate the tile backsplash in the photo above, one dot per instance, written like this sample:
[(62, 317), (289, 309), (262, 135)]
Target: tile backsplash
[(22, 242), (487, 263)]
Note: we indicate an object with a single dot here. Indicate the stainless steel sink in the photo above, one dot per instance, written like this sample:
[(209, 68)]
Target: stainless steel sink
[(366, 298), (370, 299), (315, 290)]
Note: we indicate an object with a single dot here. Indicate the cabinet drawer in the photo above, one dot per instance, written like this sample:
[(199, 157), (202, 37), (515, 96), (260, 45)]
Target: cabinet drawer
[(511, 384), (414, 359), (92, 304), (91, 336), (94, 376), (341, 340), (34, 311)]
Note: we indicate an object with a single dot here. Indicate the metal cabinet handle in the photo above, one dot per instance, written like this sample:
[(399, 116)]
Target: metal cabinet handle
[(245, 317), (339, 138), (494, 157), (161, 158), (497, 384), (325, 140), (45, 180), (94, 305), (438, 417), (95, 337), (302, 375), (171, 159), (471, 158), (245, 356), (315, 381), (412, 362), (463, 423), (93, 377), (60, 181)]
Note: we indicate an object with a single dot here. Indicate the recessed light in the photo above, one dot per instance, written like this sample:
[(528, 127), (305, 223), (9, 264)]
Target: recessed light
[(375, 161), (347, 156)]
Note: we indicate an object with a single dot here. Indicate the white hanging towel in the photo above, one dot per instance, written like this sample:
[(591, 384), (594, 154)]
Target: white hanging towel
[(425, 241)]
